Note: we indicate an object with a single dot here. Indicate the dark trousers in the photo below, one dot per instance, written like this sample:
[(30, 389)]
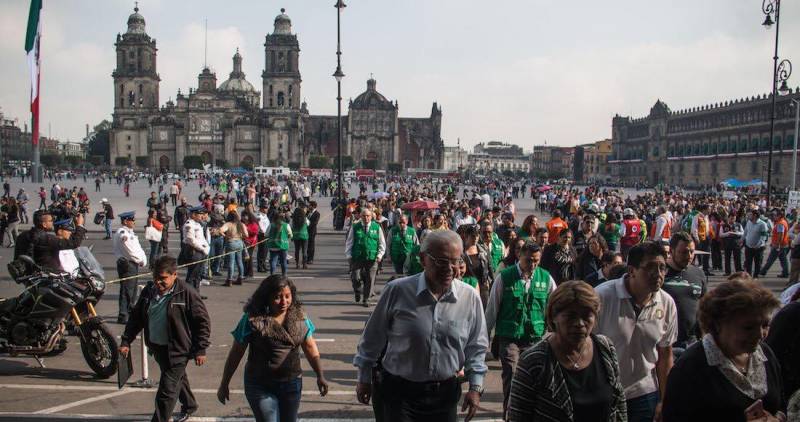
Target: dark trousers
[(407, 401), (780, 254), (509, 356), (172, 386), (716, 255), (362, 277), (704, 245), (752, 260), (194, 274), (127, 289), (642, 408), (261, 256), (736, 253), (300, 251), (311, 247)]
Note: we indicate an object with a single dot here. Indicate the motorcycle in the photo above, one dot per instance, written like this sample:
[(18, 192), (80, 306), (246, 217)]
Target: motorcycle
[(35, 322)]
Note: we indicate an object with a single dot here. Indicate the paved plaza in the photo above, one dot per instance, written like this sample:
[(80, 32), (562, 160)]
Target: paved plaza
[(67, 389)]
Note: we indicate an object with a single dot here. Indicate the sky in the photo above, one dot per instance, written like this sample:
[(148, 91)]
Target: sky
[(519, 71)]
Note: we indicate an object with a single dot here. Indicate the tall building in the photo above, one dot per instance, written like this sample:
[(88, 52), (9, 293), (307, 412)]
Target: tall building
[(553, 162), (498, 157), (595, 161), (233, 124), (705, 145)]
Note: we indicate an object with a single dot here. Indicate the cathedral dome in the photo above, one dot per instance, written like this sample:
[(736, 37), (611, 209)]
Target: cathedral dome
[(136, 22), (371, 98), (283, 25), (236, 82)]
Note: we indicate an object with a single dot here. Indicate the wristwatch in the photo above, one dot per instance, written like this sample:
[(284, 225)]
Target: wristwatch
[(476, 388)]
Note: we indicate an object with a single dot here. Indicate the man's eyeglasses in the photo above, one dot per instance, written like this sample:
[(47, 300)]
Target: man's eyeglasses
[(444, 262)]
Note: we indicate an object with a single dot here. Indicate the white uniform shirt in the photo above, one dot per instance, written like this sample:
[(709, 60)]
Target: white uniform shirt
[(263, 222), (126, 245), (194, 236)]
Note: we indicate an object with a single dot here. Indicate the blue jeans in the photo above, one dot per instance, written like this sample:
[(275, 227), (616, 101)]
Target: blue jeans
[(274, 256), (642, 408), (235, 258), (155, 248), (217, 248), (274, 401), (107, 223)]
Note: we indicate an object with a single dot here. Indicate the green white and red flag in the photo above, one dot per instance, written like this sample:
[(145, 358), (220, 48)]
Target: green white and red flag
[(32, 46)]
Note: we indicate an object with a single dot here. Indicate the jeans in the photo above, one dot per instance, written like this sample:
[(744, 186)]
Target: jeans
[(752, 260), (274, 256), (235, 258), (154, 249), (642, 408), (274, 401), (217, 248), (107, 225), (780, 254)]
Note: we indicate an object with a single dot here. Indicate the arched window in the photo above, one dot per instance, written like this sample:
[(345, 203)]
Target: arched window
[(280, 99)]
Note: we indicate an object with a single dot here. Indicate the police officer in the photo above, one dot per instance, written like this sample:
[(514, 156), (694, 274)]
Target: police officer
[(195, 246), (516, 306), (42, 246), (263, 228), (364, 249), (130, 256)]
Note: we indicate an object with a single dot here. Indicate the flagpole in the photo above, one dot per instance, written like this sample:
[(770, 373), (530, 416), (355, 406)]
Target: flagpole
[(33, 38)]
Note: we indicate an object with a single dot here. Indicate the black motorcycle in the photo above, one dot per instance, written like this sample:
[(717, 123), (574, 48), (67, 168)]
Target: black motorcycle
[(35, 322)]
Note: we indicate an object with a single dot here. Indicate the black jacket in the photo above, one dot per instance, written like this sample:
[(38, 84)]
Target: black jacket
[(44, 246), (181, 215), (188, 328), (313, 220)]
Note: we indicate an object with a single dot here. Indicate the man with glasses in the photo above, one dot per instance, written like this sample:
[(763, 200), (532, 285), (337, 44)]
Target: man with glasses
[(516, 306), (41, 245), (642, 321), (431, 326), (364, 249)]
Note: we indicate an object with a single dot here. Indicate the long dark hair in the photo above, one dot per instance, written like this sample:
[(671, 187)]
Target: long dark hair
[(298, 218), (258, 304)]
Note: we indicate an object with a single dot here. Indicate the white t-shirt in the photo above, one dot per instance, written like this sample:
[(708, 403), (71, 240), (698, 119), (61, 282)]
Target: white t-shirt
[(636, 338), (69, 262)]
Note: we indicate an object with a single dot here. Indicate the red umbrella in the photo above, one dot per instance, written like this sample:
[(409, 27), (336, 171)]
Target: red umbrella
[(544, 188), (420, 206)]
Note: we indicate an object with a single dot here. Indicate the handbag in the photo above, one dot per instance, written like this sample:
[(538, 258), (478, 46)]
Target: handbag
[(152, 234), (100, 217)]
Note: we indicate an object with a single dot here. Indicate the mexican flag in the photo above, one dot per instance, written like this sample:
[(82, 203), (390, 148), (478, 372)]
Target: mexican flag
[(32, 45)]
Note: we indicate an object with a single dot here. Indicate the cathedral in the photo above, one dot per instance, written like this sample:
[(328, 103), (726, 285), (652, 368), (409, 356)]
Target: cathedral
[(232, 124)]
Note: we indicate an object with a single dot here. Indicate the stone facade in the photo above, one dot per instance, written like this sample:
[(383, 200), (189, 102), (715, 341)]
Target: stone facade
[(552, 162), (595, 161), (231, 124), (705, 145)]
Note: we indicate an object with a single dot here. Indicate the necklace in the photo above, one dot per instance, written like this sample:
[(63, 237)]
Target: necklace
[(576, 363)]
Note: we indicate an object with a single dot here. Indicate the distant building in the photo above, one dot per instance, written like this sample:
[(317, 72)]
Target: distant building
[(73, 149), (705, 145), (595, 161), (13, 146), (498, 157), (455, 159), (553, 162)]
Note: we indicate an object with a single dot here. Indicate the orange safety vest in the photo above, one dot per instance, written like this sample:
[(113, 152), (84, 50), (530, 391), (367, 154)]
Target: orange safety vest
[(702, 227), (665, 234), (778, 239)]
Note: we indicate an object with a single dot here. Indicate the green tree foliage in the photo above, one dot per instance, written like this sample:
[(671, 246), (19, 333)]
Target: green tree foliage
[(319, 162), (193, 162)]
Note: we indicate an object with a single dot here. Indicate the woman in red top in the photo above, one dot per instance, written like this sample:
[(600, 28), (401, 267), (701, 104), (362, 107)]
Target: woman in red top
[(155, 246), (251, 223)]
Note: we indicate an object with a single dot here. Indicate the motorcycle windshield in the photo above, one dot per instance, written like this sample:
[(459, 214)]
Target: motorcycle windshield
[(89, 267)]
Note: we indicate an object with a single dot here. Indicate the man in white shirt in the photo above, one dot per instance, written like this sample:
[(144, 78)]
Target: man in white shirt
[(195, 246), (130, 257), (263, 228), (642, 321)]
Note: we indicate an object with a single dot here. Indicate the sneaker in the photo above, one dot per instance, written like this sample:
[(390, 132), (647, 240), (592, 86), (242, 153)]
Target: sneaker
[(205, 282), (181, 417)]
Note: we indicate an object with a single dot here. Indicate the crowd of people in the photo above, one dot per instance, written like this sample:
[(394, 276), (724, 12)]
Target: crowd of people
[(600, 311)]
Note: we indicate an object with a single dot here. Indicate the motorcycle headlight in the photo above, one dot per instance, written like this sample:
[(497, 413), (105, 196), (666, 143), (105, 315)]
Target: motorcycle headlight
[(98, 284)]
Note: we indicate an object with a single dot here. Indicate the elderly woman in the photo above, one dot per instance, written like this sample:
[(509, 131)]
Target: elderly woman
[(731, 375), (274, 328), (572, 375)]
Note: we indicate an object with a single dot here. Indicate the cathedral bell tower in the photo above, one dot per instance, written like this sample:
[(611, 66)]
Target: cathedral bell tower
[(135, 93), (283, 142)]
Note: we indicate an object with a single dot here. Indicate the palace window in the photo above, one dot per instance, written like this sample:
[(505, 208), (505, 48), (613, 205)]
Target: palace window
[(788, 142), (776, 142), (764, 144), (723, 147)]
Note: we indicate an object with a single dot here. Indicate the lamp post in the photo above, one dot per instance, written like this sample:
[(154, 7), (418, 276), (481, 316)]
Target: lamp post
[(796, 104), (339, 75), (780, 73)]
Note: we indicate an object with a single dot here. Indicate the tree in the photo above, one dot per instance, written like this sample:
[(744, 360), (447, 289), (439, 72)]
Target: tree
[(143, 161), (369, 164), (96, 160), (270, 163), (99, 140), (319, 162), (223, 164), (247, 165), (122, 161), (73, 161), (347, 163), (193, 162), (294, 165), (395, 168), (51, 160)]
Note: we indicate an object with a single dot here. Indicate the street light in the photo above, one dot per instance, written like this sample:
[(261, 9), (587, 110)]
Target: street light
[(339, 75), (780, 73), (796, 104)]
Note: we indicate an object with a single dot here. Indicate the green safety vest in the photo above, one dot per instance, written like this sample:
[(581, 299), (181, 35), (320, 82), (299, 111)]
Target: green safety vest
[(471, 280), (496, 251), (415, 264), (365, 242), (278, 236), (401, 243), (300, 233), (521, 315)]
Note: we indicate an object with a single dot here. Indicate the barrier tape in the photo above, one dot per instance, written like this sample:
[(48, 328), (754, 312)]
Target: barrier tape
[(133, 277)]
